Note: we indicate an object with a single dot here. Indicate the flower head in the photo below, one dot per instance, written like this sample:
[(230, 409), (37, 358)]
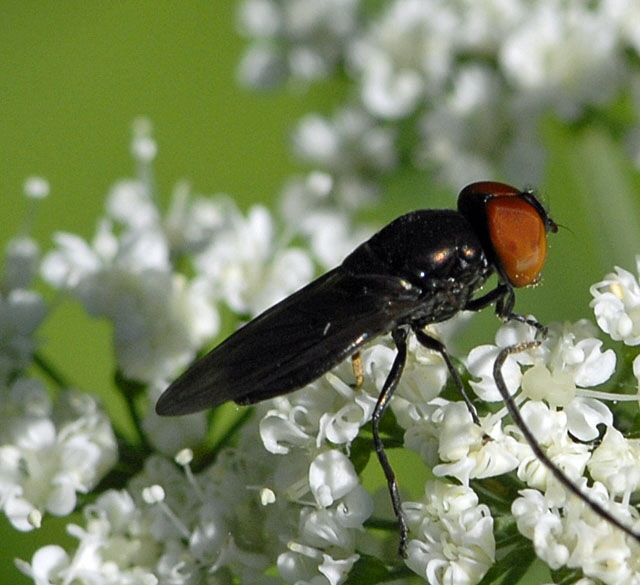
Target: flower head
[(616, 304), (49, 453), (454, 535)]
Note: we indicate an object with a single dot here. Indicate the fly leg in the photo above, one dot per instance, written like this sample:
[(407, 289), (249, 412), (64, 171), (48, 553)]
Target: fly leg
[(504, 298), (399, 336), (432, 343), (358, 370)]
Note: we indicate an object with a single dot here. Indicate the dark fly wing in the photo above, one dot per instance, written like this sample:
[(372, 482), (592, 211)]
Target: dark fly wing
[(293, 342)]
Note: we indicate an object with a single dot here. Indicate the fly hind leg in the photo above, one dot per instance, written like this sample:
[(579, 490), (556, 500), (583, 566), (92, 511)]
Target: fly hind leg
[(390, 384), (432, 343)]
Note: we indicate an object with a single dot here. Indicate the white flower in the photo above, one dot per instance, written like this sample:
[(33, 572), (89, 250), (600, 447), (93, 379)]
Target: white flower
[(327, 409), (36, 187), (541, 525), (126, 274), (461, 127), (568, 360), (168, 526), (331, 476), (170, 434), (247, 268), (47, 564), (47, 456), (307, 206), (568, 533), (352, 148), (298, 427), (160, 319), (351, 140), (568, 58), (336, 570), (306, 562), (192, 221), (452, 535), (22, 257), (480, 364), (130, 203), (406, 55), (303, 38), (550, 430), (616, 463), (616, 304), (453, 445), (21, 312), (477, 77), (114, 547), (423, 377)]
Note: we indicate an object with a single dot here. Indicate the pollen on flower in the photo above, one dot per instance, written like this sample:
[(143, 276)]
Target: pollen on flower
[(184, 457), (153, 494), (267, 496), (35, 518)]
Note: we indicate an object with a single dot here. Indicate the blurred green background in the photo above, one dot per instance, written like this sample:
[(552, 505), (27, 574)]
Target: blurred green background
[(74, 75)]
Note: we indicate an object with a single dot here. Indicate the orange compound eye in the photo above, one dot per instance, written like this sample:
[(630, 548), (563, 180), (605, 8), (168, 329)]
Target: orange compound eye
[(519, 238)]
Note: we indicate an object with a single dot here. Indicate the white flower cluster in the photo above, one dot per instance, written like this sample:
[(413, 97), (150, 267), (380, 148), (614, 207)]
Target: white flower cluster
[(169, 526), (565, 416), (616, 304), (302, 39), (300, 507), (126, 274), (575, 428), (308, 497), (173, 526), (474, 78), (455, 541), (457, 548), (50, 451)]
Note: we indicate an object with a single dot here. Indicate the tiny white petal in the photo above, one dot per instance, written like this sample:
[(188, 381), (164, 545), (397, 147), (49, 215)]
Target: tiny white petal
[(331, 476)]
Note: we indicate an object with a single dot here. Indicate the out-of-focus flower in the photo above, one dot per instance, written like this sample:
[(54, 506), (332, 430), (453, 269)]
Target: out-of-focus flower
[(245, 266), (160, 319), (49, 453), (21, 313), (304, 39), (475, 78), (352, 148), (126, 274)]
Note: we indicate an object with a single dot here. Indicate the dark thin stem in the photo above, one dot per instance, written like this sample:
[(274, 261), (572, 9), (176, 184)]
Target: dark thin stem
[(130, 389), (210, 457), (50, 371)]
